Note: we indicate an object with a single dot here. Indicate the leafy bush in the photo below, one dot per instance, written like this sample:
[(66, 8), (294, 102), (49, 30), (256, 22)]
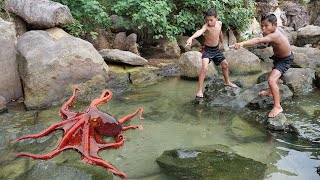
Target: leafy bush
[(89, 15), (157, 18), (172, 17)]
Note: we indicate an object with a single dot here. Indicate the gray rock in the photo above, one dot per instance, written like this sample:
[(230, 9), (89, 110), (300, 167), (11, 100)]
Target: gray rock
[(209, 162), (41, 13), (297, 15), (314, 12), (143, 77), (303, 61), (308, 35), (190, 64), (119, 41), (49, 66), (51, 170), (195, 46), (277, 123), (263, 54), (300, 80), (11, 87), (291, 34), (242, 61), (3, 102), (126, 57)]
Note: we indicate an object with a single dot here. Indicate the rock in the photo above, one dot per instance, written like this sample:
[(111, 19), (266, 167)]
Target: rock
[(195, 46), (308, 35), (11, 87), (119, 41), (48, 67), (242, 61), (297, 15), (253, 30), (143, 77), (117, 24), (126, 57), (51, 170), (161, 48), (191, 63), (57, 33), (314, 12), (260, 102), (303, 61), (313, 53), (101, 41), (291, 34), (20, 26), (263, 54), (3, 102), (131, 44), (277, 123), (318, 78), (216, 94), (300, 80), (118, 81), (209, 162), (40, 14)]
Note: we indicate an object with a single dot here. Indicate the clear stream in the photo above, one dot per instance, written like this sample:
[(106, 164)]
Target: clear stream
[(171, 121)]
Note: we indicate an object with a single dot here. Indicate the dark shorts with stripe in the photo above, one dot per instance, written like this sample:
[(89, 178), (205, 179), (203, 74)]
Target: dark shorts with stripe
[(213, 54), (282, 64)]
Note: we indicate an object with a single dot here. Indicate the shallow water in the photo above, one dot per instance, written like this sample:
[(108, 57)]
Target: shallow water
[(171, 121)]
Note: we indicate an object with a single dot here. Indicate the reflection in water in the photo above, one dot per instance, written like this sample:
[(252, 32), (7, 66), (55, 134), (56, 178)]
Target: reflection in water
[(171, 121)]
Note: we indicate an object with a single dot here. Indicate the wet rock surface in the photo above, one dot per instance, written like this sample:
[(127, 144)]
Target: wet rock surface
[(209, 162)]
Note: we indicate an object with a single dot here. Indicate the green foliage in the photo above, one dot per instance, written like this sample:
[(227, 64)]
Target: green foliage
[(167, 18), (157, 18), (89, 15)]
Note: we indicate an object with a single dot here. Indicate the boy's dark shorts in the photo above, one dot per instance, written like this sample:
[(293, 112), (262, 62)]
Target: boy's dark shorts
[(213, 54), (282, 64)]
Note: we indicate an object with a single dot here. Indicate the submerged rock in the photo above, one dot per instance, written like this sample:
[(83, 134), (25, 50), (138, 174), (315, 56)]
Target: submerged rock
[(209, 162), (277, 123)]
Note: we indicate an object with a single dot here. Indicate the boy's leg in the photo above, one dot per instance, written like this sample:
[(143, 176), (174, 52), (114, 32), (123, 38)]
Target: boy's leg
[(273, 84), (202, 76), (268, 91), (225, 72)]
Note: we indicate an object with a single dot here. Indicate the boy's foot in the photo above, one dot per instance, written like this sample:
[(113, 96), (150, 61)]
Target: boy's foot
[(265, 93), (230, 84), (275, 111)]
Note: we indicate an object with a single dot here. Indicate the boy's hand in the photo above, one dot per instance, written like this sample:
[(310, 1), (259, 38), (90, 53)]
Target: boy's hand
[(189, 42), (221, 46), (236, 45)]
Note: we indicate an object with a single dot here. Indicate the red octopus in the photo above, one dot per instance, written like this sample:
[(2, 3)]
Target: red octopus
[(84, 131)]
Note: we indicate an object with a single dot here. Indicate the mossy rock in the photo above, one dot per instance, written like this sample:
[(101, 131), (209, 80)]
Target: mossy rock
[(209, 162)]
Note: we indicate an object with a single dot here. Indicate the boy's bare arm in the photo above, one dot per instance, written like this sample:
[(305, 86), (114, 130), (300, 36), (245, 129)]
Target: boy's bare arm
[(250, 42), (221, 39), (197, 34)]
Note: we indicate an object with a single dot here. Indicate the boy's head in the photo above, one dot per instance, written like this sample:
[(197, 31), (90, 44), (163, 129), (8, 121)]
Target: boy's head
[(211, 17), (268, 23)]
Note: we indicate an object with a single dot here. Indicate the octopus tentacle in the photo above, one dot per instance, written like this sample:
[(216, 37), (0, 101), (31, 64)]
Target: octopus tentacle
[(64, 112), (46, 131), (132, 127), (71, 131), (44, 156), (101, 162), (126, 118), (105, 97)]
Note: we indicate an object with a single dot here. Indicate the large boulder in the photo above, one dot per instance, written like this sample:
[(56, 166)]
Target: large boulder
[(119, 56), (40, 13), (297, 15), (300, 80), (190, 64), (9, 76), (309, 35), (49, 66), (264, 54), (209, 162), (312, 53), (242, 61)]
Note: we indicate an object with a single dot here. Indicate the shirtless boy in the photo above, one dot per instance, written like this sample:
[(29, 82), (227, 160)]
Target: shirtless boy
[(210, 50), (282, 58)]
